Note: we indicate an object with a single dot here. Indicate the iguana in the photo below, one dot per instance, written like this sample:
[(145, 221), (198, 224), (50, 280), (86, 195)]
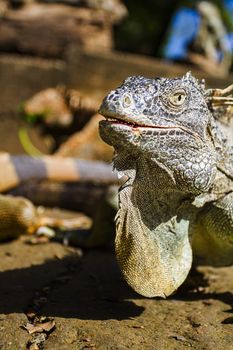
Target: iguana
[(178, 200)]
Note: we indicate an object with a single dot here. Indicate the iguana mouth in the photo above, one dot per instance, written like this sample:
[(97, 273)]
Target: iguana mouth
[(136, 125), (123, 120), (133, 125)]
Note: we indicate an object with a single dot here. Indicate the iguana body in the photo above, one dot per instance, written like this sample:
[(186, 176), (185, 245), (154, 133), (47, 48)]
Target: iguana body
[(17, 214), (179, 196)]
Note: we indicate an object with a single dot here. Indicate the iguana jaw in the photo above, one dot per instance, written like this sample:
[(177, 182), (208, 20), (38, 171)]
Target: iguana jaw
[(186, 157)]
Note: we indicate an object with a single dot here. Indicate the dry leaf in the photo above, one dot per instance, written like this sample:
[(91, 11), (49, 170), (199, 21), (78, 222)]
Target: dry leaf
[(40, 327)]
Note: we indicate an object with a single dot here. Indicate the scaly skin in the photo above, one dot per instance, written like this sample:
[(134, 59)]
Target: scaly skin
[(164, 136)]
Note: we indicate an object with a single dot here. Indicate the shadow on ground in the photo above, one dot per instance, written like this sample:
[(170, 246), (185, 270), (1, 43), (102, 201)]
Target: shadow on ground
[(90, 288)]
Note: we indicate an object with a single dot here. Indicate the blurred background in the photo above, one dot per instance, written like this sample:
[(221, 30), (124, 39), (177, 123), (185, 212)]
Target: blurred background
[(91, 46)]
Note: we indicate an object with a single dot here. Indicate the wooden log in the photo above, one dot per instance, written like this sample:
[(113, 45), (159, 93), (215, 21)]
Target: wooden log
[(47, 30)]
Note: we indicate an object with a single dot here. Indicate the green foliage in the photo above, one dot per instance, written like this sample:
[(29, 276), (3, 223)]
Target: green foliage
[(30, 118)]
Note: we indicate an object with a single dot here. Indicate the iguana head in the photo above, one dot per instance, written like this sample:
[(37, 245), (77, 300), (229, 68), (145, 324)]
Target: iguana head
[(159, 103), (163, 119)]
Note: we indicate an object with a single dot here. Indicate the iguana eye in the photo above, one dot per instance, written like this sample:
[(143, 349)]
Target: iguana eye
[(177, 98), (126, 100)]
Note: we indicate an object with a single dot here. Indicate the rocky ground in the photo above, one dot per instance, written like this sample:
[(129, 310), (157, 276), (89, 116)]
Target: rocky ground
[(71, 300)]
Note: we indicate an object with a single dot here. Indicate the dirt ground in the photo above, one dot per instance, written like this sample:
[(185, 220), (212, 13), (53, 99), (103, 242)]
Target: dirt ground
[(93, 308)]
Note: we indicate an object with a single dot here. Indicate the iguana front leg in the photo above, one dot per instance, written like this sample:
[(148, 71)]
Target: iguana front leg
[(213, 236)]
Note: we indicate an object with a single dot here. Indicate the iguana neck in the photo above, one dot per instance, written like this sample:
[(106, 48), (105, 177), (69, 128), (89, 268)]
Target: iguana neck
[(152, 244)]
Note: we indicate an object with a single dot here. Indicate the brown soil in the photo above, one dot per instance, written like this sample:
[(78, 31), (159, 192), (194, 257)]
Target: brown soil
[(93, 307)]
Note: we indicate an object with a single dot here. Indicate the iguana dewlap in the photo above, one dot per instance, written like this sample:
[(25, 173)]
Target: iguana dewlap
[(178, 200)]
